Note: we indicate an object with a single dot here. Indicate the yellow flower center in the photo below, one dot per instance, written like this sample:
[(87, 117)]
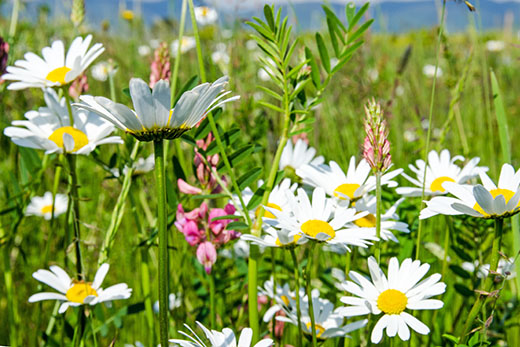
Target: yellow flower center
[(268, 214), (79, 291), (347, 189), (314, 227), (295, 239), (436, 185), (319, 329), (285, 300), (369, 221), (127, 14), (392, 301), (205, 11), (80, 139), (506, 193), (58, 75), (46, 209)]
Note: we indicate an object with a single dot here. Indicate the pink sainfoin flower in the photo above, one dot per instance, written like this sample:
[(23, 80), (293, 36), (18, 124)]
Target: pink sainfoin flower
[(79, 86), (4, 50), (376, 148), (160, 68), (204, 174), (198, 225), (207, 255)]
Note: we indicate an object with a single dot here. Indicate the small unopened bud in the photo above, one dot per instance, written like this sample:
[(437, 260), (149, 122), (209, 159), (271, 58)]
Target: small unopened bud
[(78, 12), (4, 50), (376, 147), (78, 87), (160, 68)]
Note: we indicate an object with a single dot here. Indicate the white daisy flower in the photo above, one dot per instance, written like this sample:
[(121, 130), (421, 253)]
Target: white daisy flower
[(100, 71), (506, 267), (483, 201), (174, 301), (144, 50), (187, 43), (389, 219), (226, 338), (42, 206), (284, 297), (300, 154), (327, 320), (56, 68), (440, 169), (78, 292), (275, 238), (495, 45), (153, 117), (319, 221), (351, 186), (205, 15), (50, 129), (429, 71), (402, 290)]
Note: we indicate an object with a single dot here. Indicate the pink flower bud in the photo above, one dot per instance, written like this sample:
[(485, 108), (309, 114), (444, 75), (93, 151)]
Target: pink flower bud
[(4, 50), (78, 87), (376, 147), (160, 68), (186, 188), (207, 255)]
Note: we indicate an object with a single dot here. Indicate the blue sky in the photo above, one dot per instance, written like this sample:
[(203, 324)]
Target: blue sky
[(393, 16)]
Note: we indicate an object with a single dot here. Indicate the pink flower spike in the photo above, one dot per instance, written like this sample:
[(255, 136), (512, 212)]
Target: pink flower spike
[(186, 188), (207, 255)]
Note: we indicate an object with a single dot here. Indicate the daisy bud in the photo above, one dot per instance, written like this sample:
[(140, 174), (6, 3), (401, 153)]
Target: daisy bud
[(160, 68), (207, 255), (78, 12), (4, 50), (376, 147)]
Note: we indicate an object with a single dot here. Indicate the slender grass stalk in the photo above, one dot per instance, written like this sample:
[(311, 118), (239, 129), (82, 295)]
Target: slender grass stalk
[(273, 301), (176, 63), (160, 183), (378, 216), (447, 239), (52, 320), (309, 294), (74, 199), (428, 136), (112, 86), (213, 311), (200, 59), (12, 311), (57, 176), (14, 18), (145, 283), (488, 283), (296, 270), (119, 209)]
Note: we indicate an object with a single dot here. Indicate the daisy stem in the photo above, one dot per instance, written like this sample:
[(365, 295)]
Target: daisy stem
[(446, 247), (296, 270), (163, 240), (428, 134), (57, 176), (69, 108), (74, 200), (112, 87), (309, 294), (488, 286), (119, 209), (176, 63), (378, 216)]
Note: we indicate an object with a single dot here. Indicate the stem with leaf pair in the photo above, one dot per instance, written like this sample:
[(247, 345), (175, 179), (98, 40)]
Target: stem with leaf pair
[(488, 283)]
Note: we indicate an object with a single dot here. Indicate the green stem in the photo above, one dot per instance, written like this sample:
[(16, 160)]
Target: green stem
[(446, 246), (57, 176), (118, 212), (428, 136), (378, 216), (14, 18), (213, 312), (69, 108), (163, 241), (273, 301), (12, 311), (488, 283), (112, 87), (74, 199), (148, 308), (309, 295), (297, 291), (200, 60)]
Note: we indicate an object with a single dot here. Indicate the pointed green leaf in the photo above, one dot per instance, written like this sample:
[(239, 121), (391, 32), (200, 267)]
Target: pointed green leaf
[(324, 55)]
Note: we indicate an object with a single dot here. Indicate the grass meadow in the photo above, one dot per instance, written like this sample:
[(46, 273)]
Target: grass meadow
[(469, 108)]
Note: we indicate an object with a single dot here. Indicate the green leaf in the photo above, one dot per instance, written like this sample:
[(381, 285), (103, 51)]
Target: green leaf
[(228, 139), (268, 13), (188, 139), (237, 156), (361, 30), (333, 18), (459, 271), (333, 38), (271, 93), (352, 21), (237, 226), (463, 290), (324, 55), (350, 12), (209, 196), (204, 128), (256, 199), (262, 31), (228, 216), (315, 71), (271, 106), (247, 178)]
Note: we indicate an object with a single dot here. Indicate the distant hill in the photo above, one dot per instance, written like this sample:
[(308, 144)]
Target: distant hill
[(392, 16)]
